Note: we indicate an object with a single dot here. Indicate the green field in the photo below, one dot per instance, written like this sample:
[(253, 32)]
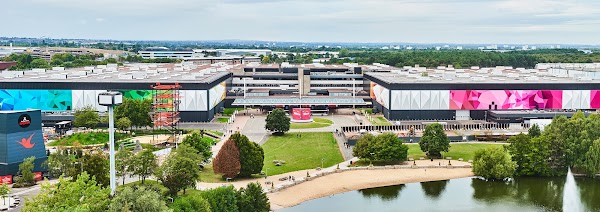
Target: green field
[(465, 151), (222, 119), (317, 123), (90, 138), (380, 121), (300, 153)]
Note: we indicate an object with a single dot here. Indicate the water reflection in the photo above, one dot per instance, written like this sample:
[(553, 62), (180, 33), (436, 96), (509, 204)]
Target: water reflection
[(434, 189), (387, 193), (465, 194)]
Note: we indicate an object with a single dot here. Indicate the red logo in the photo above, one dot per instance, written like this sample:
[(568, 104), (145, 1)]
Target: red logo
[(6, 179), (27, 142)]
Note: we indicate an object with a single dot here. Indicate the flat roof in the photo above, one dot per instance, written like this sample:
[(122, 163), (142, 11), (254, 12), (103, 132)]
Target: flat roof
[(485, 75), (137, 72), (298, 101)]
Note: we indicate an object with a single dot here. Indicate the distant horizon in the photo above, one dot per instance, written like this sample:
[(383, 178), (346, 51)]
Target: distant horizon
[(287, 41)]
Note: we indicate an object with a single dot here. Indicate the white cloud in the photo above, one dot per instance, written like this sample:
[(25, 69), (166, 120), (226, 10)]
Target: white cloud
[(100, 20)]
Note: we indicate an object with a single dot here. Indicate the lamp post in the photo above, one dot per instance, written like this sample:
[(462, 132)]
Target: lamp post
[(110, 100)]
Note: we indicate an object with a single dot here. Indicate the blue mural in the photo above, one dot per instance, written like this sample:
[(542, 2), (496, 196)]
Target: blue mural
[(48, 100)]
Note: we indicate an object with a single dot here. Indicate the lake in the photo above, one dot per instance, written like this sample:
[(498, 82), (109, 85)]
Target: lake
[(464, 194)]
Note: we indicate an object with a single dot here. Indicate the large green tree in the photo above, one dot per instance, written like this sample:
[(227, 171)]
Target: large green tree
[(190, 203), (227, 161), (222, 198), (136, 110), (493, 163), (138, 199), (84, 194), (592, 162), (123, 123), (434, 141), (252, 198), (203, 146), (534, 131), (252, 155), (181, 170), (384, 147), (86, 117), (144, 164), (278, 122), (96, 164)]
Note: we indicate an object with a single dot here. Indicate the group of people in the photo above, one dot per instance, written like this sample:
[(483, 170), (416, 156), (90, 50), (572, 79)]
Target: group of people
[(346, 145)]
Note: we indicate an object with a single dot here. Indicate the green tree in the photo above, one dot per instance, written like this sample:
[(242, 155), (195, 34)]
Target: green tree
[(96, 164), (344, 53), (144, 164), (139, 199), (27, 177), (86, 117), (493, 163), (252, 198), (201, 145), (190, 203), (59, 164), (181, 170), (434, 141), (390, 148), (277, 121), (364, 147), (222, 198), (136, 110), (534, 131), (227, 161), (123, 163), (4, 190), (40, 63), (84, 194), (123, 123), (252, 155), (592, 162)]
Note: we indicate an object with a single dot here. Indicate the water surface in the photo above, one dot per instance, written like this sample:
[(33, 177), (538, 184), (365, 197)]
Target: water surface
[(464, 194)]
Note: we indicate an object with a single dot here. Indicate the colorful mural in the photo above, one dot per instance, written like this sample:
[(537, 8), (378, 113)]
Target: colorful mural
[(48, 100), (505, 99), (137, 94), (595, 99)]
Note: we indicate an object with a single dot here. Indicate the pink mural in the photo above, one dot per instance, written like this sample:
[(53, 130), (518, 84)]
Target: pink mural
[(505, 99), (595, 99)]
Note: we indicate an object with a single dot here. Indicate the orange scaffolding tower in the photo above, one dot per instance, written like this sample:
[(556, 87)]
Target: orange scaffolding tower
[(165, 110)]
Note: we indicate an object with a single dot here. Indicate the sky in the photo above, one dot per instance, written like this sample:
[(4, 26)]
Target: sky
[(414, 21)]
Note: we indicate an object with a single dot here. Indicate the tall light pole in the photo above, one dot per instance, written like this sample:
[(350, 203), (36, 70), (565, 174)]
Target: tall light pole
[(110, 100)]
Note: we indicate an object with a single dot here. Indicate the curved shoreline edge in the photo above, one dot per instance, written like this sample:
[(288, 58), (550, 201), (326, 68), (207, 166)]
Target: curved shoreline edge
[(359, 179)]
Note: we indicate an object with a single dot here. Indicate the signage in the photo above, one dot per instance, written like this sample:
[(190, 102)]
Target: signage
[(24, 121), (38, 176), (7, 179), (301, 113), (27, 142)]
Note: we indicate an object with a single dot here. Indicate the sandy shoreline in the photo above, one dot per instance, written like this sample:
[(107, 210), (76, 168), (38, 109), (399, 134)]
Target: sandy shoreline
[(359, 179)]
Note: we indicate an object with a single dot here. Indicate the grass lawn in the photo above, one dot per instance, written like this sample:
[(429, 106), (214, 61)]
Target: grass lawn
[(208, 175), (222, 120), (229, 111), (465, 151), (301, 153), (380, 121), (317, 123), (214, 132), (86, 139)]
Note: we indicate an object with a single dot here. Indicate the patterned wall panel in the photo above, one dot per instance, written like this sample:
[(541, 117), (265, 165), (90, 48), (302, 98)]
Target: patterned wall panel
[(49, 100), (396, 100), (217, 94), (506, 99), (426, 100), (415, 100), (435, 100), (380, 94), (405, 102)]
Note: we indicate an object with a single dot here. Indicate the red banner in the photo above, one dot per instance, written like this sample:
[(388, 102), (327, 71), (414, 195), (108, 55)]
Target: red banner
[(305, 113), (7, 179), (296, 114), (38, 176)]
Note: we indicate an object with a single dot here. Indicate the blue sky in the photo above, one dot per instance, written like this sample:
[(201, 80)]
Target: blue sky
[(421, 21)]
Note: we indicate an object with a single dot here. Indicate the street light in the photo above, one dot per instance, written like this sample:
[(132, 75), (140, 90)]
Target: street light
[(110, 100)]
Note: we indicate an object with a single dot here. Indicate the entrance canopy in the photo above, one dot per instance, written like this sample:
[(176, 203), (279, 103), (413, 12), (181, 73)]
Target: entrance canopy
[(299, 101)]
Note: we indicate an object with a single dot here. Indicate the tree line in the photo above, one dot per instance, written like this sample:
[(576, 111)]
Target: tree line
[(565, 143), (465, 58), (86, 174), (68, 60)]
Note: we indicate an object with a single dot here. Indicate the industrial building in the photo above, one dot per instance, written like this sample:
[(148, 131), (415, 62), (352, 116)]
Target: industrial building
[(58, 92), (502, 94)]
